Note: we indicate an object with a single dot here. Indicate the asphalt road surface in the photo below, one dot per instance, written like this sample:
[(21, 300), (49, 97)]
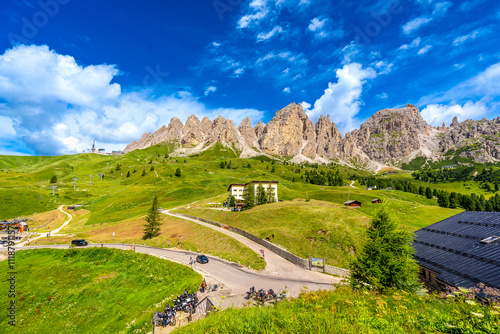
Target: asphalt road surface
[(235, 278)]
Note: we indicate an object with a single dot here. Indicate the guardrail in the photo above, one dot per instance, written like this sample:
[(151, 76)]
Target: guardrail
[(303, 263)]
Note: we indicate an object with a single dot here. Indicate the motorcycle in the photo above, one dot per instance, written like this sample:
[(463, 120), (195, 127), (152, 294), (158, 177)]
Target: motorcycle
[(250, 293)]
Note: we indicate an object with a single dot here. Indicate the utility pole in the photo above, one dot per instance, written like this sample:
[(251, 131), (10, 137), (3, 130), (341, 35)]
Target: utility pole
[(349, 193), (90, 179), (54, 188), (101, 175), (74, 182)]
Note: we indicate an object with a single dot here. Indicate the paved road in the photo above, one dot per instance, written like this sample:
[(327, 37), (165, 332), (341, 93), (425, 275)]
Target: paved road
[(276, 266), (234, 277)]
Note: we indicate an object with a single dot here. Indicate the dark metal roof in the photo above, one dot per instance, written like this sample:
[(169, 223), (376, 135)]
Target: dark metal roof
[(453, 248)]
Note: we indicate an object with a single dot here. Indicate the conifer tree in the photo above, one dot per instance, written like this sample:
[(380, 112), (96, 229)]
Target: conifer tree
[(249, 196), (153, 221), (128, 174), (386, 259), (177, 172), (428, 193), (261, 195), (143, 172), (53, 179), (232, 201), (270, 194)]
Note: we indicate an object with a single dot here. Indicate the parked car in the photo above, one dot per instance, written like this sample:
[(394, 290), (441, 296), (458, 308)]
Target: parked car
[(79, 242), (4, 243), (202, 259)]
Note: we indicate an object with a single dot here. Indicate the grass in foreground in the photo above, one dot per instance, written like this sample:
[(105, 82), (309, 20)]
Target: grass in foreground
[(345, 311), (95, 290)]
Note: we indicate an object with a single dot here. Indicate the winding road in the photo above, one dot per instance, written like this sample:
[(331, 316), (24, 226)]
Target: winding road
[(279, 273)]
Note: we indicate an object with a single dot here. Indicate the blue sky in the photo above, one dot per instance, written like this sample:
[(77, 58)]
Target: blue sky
[(72, 71)]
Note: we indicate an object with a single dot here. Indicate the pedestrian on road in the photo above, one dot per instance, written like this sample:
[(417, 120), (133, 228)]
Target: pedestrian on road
[(134, 248), (191, 260), (203, 286)]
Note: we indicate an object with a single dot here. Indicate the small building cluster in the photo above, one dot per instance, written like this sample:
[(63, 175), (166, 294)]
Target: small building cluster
[(18, 225), (238, 190)]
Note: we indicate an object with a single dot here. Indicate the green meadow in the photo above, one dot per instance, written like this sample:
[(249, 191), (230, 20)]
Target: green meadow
[(95, 290)]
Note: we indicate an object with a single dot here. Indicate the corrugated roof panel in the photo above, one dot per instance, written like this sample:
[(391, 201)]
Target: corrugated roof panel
[(452, 247)]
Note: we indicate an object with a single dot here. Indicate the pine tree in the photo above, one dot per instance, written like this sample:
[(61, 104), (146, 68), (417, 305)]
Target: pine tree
[(154, 221), (428, 193), (261, 195), (53, 179), (143, 172), (177, 172), (273, 170), (232, 201), (270, 194), (249, 196), (386, 259), (152, 168), (222, 165), (128, 174)]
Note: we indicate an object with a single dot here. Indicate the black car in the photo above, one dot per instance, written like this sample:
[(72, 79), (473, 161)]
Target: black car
[(79, 242), (202, 259)]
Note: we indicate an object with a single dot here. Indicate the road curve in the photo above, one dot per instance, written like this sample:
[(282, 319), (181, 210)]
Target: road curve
[(234, 277), (276, 266)]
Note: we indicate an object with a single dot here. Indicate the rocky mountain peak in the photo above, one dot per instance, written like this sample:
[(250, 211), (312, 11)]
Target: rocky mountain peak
[(259, 128), (248, 133), (454, 122), (191, 123)]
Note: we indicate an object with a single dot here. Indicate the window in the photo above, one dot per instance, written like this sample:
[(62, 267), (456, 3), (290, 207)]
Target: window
[(490, 240)]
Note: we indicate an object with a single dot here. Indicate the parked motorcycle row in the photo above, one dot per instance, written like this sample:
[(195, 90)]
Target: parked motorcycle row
[(263, 295), (186, 302)]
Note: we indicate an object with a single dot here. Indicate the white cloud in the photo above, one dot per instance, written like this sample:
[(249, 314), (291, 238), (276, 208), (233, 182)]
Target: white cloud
[(266, 36), (458, 66), (342, 99), (424, 50), (239, 72), (259, 11), (415, 43), (473, 35), (318, 26), (6, 128), (57, 106), (415, 24), (286, 90), (437, 114), (440, 9), (382, 96), (483, 85), (211, 89)]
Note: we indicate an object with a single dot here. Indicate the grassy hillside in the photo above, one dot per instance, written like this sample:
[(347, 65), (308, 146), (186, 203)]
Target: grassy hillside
[(174, 232), (344, 311), (319, 228), (95, 290), (25, 187)]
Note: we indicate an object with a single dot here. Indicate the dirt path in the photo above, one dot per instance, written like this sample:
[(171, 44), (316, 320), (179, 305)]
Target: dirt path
[(54, 232)]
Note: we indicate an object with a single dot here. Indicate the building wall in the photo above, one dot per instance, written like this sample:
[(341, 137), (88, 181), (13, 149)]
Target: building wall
[(237, 192)]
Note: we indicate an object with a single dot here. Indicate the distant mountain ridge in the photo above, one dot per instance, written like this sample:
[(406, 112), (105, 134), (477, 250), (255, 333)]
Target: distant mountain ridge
[(388, 138)]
